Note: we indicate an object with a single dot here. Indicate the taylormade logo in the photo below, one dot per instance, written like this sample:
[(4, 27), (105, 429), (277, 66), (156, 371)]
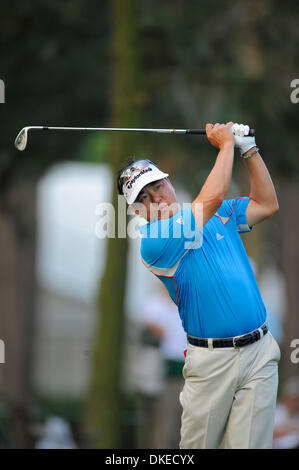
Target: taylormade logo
[(130, 182)]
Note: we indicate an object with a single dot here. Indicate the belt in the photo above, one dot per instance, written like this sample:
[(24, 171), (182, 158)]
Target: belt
[(235, 342)]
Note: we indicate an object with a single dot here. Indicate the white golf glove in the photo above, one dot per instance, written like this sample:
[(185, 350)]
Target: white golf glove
[(241, 141)]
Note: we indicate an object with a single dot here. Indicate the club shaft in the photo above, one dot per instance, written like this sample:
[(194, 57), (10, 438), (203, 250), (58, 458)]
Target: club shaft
[(120, 129), (123, 129)]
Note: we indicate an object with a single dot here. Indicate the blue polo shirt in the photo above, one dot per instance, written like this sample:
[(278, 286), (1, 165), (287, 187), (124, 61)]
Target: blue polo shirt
[(207, 273)]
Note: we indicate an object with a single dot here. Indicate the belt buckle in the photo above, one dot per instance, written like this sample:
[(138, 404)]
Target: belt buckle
[(234, 342)]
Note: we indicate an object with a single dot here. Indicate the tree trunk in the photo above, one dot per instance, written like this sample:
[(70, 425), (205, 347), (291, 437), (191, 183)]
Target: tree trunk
[(105, 403), (17, 289)]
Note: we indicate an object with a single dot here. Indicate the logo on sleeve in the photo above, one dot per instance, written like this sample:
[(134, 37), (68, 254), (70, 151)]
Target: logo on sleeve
[(224, 220)]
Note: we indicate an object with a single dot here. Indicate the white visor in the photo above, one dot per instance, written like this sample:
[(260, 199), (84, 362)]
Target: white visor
[(138, 175)]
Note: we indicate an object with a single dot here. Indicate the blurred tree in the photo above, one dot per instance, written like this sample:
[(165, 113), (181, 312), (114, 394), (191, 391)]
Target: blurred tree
[(127, 97), (289, 263), (53, 58)]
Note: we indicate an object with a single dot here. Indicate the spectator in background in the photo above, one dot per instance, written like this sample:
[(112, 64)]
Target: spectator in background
[(272, 289), (56, 434), (162, 329), (286, 425)]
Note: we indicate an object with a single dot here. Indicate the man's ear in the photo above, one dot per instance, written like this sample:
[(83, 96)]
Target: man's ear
[(168, 180)]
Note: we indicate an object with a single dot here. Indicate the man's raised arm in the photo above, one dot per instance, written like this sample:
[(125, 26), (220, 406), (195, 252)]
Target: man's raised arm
[(263, 200), (217, 183)]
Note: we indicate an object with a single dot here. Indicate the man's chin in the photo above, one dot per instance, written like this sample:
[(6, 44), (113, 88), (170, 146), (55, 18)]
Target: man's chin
[(166, 213)]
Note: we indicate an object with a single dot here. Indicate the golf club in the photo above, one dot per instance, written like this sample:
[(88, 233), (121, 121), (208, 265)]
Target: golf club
[(22, 137)]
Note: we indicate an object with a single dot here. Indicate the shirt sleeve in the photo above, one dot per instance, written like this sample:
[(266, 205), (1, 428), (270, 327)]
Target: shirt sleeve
[(167, 241), (236, 209)]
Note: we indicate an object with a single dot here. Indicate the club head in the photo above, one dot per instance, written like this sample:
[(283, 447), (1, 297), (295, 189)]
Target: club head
[(21, 139)]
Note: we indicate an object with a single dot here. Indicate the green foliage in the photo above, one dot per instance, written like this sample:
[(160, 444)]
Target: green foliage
[(200, 62), (54, 58), (96, 148), (65, 407), (224, 61)]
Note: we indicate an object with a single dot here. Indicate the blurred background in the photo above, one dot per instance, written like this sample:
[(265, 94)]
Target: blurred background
[(93, 347)]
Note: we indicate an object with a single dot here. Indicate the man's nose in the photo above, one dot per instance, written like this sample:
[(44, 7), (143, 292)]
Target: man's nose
[(156, 197)]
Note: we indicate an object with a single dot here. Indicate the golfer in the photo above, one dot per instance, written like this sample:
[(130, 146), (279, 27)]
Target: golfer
[(231, 367)]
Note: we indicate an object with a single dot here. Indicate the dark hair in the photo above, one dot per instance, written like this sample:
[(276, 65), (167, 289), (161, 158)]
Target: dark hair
[(129, 163)]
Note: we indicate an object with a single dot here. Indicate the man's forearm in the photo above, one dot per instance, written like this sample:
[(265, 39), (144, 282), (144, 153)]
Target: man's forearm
[(218, 181), (262, 190), (215, 187)]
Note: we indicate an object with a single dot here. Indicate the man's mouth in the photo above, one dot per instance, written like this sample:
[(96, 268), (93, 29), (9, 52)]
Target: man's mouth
[(162, 206)]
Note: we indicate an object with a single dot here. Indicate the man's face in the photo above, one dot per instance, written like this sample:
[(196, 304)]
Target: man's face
[(156, 199)]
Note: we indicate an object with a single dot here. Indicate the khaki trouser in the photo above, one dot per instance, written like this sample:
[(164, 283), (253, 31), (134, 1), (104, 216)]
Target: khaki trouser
[(229, 396)]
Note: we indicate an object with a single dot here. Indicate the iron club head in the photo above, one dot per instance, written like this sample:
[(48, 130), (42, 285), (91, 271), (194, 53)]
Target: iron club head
[(21, 139)]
